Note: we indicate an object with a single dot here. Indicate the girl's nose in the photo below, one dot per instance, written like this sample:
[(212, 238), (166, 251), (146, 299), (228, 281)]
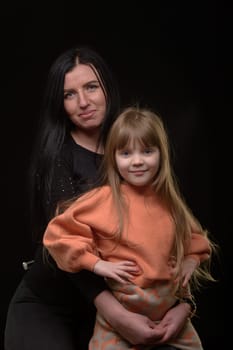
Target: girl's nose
[(137, 159)]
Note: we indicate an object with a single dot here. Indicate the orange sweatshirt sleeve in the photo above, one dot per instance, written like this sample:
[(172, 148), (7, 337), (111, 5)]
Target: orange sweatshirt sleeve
[(70, 242), (199, 248)]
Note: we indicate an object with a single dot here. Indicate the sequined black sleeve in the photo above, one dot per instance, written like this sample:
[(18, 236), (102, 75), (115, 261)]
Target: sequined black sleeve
[(63, 185), (66, 184)]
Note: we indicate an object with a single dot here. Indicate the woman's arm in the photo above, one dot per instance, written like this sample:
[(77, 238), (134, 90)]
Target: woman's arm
[(135, 328), (139, 329)]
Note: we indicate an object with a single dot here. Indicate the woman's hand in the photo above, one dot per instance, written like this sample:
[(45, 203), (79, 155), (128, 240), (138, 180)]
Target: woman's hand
[(135, 328), (173, 321), (139, 329)]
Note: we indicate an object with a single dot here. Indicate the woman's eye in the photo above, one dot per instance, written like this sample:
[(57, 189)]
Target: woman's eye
[(92, 87), (69, 95)]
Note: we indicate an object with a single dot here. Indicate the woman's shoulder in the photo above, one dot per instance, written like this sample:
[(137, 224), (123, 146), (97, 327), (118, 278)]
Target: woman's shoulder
[(68, 145), (70, 149)]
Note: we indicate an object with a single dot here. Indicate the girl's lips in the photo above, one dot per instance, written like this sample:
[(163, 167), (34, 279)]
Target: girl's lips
[(138, 172)]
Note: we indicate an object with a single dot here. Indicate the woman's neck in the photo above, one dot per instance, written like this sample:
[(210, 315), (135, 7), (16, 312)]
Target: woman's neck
[(88, 140)]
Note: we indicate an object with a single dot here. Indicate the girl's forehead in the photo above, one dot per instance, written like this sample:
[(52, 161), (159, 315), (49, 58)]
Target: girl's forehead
[(132, 141)]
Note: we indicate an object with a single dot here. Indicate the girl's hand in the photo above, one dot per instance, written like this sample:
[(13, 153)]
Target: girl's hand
[(188, 267), (119, 271)]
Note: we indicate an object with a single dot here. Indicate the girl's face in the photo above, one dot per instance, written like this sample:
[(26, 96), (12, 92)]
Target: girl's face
[(138, 164), (84, 99)]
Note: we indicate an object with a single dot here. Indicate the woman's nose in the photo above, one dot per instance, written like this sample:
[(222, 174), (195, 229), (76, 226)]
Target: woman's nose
[(83, 100)]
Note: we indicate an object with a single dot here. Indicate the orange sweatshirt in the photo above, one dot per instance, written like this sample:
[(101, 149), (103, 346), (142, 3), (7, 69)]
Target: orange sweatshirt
[(84, 232)]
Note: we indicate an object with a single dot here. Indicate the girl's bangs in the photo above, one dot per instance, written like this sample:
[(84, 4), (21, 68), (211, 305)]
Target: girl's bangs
[(144, 135)]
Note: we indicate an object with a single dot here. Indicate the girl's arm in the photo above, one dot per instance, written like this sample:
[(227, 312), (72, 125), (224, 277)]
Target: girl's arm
[(199, 248)]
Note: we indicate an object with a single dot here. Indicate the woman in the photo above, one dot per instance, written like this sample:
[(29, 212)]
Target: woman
[(47, 311)]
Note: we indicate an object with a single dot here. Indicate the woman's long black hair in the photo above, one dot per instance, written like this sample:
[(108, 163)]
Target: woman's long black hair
[(54, 125)]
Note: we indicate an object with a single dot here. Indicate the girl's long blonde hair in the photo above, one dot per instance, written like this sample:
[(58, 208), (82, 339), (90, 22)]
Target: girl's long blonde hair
[(144, 125)]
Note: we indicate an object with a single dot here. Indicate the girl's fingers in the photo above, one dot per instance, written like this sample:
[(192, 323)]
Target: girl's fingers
[(129, 266), (127, 263)]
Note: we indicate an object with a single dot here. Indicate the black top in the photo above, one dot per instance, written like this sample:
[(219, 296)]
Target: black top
[(76, 168)]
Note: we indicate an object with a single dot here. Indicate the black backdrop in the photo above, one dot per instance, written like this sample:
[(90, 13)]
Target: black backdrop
[(174, 57)]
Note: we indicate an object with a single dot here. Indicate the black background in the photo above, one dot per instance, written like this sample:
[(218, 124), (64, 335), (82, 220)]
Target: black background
[(175, 57)]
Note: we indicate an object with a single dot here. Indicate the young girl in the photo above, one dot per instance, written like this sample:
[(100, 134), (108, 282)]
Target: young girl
[(135, 230)]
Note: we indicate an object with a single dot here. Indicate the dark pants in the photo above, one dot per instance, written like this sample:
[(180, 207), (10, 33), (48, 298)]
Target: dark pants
[(34, 325)]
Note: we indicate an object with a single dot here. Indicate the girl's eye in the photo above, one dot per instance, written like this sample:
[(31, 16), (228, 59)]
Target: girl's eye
[(124, 153), (150, 150)]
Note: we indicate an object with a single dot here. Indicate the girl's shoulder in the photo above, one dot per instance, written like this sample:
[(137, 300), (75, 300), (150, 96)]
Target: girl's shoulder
[(101, 192), (93, 198)]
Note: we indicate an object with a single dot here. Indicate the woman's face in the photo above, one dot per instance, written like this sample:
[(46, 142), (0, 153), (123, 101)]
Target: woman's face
[(84, 99)]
